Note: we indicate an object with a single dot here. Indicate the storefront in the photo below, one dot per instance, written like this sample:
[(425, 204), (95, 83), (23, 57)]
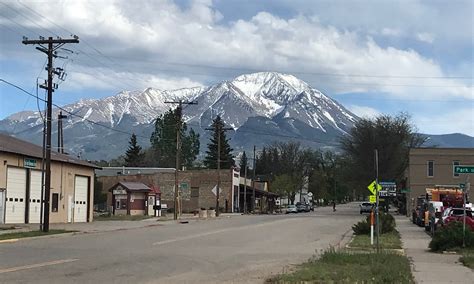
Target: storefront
[(133, 198)]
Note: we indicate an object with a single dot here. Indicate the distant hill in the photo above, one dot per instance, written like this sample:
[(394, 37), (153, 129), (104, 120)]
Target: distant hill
[(455, 140)]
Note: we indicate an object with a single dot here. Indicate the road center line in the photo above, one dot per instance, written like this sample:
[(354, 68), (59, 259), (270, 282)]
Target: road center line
[(18, 268)]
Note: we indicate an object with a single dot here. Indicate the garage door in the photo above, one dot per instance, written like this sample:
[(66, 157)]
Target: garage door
[(81, 186), (16, 194), (35, 197)]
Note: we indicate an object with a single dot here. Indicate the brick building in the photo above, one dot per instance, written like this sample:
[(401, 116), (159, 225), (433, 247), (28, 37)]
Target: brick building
[(197, 188)]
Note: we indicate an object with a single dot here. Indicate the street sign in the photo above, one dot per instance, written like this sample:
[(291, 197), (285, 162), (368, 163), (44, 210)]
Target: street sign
[(184, 186), (29, 163), (371, 187), (372, 198), (464, 169)]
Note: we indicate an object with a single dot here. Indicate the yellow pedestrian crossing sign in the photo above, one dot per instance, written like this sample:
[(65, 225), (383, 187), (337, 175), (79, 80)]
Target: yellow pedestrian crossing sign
[(371, 187), (372, 198)]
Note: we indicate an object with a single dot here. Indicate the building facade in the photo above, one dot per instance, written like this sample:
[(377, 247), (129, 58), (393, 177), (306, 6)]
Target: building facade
[(429, 167), (196, 188), (21, 179)]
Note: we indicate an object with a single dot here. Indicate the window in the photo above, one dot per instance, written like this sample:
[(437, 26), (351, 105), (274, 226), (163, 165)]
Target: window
[(430, 168), (194, 191), (455, 163), (117, 204), (55, 202)]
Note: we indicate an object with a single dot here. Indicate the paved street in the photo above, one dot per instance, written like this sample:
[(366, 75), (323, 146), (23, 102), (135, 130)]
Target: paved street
[(238, 249)]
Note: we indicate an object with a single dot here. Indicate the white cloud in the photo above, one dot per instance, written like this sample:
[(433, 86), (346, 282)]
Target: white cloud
[(425, 37), (161, 30), (391, 32), (140, 38), (460, 120), (364, 111)]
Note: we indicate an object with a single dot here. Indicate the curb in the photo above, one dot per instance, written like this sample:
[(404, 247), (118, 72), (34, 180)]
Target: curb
[(39, 237)]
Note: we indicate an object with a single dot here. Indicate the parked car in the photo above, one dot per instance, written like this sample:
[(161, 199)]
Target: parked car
[(456, 214), (291, 209), (302, 207), (366, 207)]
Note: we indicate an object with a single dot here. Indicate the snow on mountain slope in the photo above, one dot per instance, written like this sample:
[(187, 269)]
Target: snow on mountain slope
[(271, 95)]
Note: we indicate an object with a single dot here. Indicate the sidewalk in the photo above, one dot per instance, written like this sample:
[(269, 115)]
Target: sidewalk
[(428, 267)]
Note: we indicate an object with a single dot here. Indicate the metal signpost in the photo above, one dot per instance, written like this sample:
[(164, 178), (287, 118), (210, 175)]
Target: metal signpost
[(465, 189)]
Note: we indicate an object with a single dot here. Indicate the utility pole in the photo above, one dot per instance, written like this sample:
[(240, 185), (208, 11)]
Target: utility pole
[(377, 214), (179, 113), (253, 180), (50, 50), (60, 132), (245, 189), (219, 129)]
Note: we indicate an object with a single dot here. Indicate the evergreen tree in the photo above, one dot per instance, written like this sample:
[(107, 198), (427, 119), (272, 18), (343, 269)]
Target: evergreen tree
[(134, 156), (243, 164), (226, 157), (163, 142)]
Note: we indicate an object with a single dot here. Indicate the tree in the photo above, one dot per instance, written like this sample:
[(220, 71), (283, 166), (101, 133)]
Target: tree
[(286, 185), (226, 157), (243, 164), (163, 142), (134, 156), (391, 136)]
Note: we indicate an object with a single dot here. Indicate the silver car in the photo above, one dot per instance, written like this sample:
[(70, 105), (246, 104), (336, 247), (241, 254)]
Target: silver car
[(366, 207), (291, 209)]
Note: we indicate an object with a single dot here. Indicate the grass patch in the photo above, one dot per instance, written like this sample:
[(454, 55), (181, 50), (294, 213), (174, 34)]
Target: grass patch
[(386, 241), (468, 260), (467, 257), (348, 267), (121, 218), (19, 235)]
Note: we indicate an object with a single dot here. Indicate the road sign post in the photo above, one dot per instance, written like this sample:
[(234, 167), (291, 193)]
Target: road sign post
[(464, 170)]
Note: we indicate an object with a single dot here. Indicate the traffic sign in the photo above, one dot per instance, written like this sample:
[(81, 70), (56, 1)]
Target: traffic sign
[(371, 187), (372, 198), (464, 169)]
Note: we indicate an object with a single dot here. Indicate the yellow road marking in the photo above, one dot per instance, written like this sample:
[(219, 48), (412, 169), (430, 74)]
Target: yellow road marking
[(18, 268), (9, 241)]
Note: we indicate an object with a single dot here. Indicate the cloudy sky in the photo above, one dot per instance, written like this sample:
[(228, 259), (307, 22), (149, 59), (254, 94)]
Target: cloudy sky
[(372, 56)]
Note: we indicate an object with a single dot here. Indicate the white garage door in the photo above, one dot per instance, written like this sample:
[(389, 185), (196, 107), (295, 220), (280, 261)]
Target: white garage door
[(16, 194), (35, 197), (81, 185)]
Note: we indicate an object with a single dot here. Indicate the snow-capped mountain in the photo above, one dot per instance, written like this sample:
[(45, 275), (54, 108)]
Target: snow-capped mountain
[(260, 107)]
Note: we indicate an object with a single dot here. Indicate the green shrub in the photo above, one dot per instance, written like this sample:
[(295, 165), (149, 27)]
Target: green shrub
[(387, 225), (361, 228), (450, 237)]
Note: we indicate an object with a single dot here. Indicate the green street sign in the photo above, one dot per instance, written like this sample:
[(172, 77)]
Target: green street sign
[(184, 186), (29, 163), (405, 190), (464, 169)]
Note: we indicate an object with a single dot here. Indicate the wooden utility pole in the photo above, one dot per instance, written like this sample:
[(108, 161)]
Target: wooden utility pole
[(50, 50), (219, 129), (179, 114), (253, 180)]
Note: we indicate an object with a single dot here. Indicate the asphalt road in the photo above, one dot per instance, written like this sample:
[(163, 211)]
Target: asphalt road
[(238, 249)]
